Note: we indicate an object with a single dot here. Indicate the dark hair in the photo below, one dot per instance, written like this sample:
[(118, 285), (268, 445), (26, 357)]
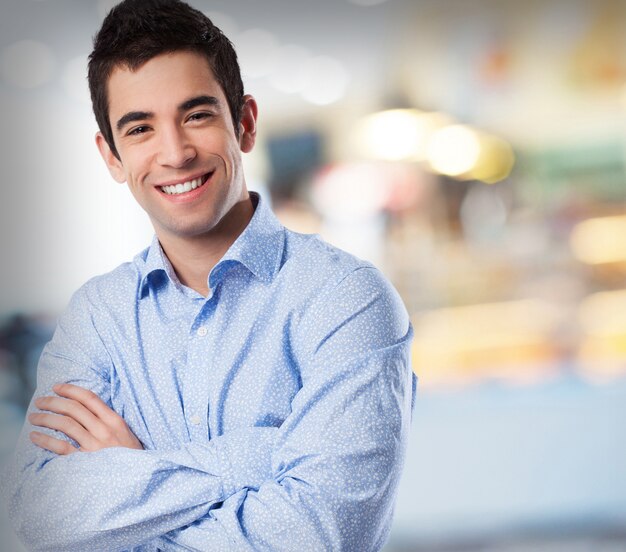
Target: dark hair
[(136, 31)]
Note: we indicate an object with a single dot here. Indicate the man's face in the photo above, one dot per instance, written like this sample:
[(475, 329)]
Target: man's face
[(178, 151)]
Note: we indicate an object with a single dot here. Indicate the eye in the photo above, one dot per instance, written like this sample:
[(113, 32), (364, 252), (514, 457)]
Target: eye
[(200, 116), (136, 131)]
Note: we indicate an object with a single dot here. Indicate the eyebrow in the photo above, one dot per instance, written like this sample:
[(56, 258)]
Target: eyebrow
[(133, 116), (199, 100)]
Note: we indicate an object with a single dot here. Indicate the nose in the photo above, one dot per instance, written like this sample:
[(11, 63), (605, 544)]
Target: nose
[(175, 150)]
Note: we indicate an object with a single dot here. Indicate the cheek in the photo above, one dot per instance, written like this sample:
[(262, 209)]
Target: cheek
[(234, 151), (219, 142), (136, 166), (235, 170), (227, 151)]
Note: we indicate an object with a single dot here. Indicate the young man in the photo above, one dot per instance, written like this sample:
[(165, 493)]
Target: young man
[(237, 386)]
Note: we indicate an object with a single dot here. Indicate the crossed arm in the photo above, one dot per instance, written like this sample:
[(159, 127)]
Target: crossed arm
[(325, 479), (112, 496), (92, 426)]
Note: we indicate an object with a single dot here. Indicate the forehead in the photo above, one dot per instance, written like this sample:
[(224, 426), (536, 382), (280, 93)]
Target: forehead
[(162, 82)]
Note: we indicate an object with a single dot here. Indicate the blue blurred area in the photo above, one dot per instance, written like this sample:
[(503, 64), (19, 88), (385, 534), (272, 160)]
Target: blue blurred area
[(520, 464)]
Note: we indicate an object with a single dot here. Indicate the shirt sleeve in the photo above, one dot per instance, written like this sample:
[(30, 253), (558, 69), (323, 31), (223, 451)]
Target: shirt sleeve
[(339, 455), (117, 498)]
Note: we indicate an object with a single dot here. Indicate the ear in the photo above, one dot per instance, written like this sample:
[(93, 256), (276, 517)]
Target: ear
[(247, 125), (112, 162)]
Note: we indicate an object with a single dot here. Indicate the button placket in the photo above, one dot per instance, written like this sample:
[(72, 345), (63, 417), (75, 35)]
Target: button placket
[(196, 391)]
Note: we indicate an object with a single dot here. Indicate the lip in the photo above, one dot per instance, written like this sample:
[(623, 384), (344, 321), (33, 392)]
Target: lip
[(190, 195), (185, 179)]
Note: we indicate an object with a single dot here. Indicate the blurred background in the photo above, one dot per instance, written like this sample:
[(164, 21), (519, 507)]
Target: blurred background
[(475, 150)]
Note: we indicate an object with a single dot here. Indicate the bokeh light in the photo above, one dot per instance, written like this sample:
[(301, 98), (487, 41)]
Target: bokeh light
[(600, 240), (454, 150), (397, 134), (290, 74), (326, 80)]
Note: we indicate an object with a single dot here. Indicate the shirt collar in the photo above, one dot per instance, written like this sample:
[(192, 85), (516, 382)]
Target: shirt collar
[(259, 248), (153, 263)]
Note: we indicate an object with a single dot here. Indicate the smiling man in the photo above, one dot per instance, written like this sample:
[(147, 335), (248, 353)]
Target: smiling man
[(237, 386), (175, 144)]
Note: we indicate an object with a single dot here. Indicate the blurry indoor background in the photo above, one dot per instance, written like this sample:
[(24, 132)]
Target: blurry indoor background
[(475, 150)]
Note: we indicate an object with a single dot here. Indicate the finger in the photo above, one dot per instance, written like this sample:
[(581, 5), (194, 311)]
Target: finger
[(73, 409), (65, 425), (112, 420), (104, 424), (87, 398), (52, 444)]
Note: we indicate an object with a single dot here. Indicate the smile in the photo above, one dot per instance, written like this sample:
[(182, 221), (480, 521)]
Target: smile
[(183, 187)]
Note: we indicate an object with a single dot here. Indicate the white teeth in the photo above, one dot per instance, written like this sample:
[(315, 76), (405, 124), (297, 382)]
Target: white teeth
[(182, 188)]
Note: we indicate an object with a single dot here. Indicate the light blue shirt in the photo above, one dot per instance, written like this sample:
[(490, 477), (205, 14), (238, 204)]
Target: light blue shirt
[(274, 412)]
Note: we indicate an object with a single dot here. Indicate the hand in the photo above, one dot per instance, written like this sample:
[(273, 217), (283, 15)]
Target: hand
[(81, 415)]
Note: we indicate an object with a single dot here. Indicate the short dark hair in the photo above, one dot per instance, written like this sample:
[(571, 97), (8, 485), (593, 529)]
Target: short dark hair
[(135, 31)]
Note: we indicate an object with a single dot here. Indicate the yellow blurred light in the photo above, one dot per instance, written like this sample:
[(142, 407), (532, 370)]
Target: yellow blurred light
[(508, 340), (600, 240), (495, 161), (482, 325), (604, 314), (397, 134), (602, 358), (602, 350), (454, 150)]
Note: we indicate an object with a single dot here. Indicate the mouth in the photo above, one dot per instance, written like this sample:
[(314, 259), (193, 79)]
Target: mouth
[(187, 186)]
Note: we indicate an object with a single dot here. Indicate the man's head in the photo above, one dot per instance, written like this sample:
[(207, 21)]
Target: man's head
[(173, 119), (136, 31)]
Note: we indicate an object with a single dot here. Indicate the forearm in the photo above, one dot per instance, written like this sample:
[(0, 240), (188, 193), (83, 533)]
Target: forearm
[(118, 498), (250, 521), (335, 470)]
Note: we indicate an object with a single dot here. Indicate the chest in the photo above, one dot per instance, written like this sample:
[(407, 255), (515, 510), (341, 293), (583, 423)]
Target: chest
[(192, 372)]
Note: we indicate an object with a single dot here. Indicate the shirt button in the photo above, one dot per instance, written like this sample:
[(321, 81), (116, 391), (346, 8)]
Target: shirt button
[(202, 331), (195, 419)]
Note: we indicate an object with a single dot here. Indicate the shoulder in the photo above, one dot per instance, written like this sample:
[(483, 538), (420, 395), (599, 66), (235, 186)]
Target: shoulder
[(334, 272), (80, 328), (321, 262), (341, 293), (95, 307), (120, 285)]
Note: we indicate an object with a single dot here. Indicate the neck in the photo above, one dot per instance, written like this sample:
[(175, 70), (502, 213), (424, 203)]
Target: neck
[(193, 257)]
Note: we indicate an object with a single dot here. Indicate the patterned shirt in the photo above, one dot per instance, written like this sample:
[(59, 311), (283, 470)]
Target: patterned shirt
[(274, 412)]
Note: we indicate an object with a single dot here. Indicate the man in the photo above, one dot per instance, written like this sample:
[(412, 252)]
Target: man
[(237, 386)]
